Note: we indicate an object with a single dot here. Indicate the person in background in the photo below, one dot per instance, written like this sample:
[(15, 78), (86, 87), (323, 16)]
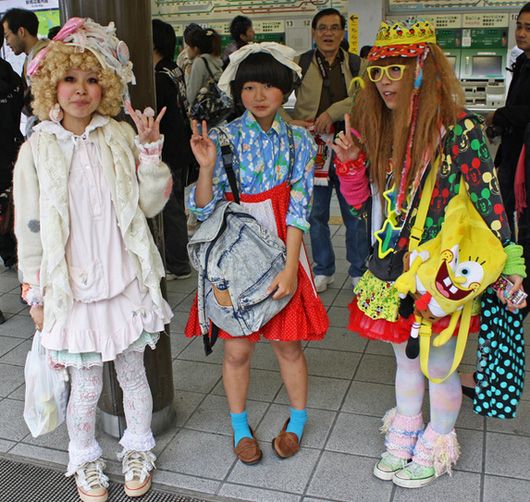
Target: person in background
[(204, 48), (183, 60), (176, 152), (242, 33), (11, 102), (321, 101), (365, 50), (510, 122), (20, 32), (53, 31)]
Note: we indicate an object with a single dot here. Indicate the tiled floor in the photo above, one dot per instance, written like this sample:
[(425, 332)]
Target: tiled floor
[(350, 389)]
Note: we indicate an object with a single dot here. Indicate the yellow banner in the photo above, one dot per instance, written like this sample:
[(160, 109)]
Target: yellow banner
[(353, 33)]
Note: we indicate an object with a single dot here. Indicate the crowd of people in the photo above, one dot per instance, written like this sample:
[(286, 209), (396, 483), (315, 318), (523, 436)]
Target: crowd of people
[(389, 132)]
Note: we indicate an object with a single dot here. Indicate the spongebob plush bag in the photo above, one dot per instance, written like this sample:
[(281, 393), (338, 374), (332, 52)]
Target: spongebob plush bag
[(448, 272)]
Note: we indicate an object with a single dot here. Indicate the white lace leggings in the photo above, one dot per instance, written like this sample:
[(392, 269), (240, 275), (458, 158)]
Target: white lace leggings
[(86, 386)]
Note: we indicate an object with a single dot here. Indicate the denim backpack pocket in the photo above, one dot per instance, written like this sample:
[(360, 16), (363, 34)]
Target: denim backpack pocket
[(256, 305)]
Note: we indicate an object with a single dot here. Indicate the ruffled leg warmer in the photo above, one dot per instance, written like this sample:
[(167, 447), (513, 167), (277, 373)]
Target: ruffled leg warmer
[(401, 433), (439, 451)]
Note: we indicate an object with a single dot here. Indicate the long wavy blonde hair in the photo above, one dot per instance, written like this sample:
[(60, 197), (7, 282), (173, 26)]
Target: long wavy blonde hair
[(385, 132), (61, 58)]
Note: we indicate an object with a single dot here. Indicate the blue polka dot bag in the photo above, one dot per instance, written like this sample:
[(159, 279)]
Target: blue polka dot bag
[(500, 359)]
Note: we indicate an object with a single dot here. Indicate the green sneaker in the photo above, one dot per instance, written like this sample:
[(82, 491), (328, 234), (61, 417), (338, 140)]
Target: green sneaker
[(388, 465), (414, 476)]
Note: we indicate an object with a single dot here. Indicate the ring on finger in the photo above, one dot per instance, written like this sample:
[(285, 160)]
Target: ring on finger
[(149, 112)]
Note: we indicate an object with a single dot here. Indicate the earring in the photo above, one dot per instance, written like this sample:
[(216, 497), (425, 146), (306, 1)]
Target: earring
[(56, 113)]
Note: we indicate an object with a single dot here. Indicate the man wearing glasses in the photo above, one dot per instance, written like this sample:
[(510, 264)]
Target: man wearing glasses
[(321, 101)]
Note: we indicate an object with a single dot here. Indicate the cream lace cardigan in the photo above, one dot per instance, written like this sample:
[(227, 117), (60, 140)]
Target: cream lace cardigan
[(140, 185)]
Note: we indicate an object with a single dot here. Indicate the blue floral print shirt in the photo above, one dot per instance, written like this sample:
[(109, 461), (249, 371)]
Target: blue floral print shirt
[(264, 164)]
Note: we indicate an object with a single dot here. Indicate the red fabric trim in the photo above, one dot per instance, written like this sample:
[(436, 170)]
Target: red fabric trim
[(395, 332), (397, 50)]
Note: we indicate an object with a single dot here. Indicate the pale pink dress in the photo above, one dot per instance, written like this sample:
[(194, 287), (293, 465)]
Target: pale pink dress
[(110, 313)]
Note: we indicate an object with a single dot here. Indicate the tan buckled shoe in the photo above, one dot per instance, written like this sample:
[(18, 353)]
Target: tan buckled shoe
[(91, 482), (137, 467), (248, 450), (285, 444)]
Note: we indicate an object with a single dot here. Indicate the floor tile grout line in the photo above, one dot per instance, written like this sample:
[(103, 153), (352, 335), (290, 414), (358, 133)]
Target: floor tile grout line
[(484, 450), (326, 440), (22, 341)]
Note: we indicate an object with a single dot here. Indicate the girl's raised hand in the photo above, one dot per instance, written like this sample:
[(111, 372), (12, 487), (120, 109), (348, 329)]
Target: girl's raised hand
[(203, 147), (344, 146), (147, 125)]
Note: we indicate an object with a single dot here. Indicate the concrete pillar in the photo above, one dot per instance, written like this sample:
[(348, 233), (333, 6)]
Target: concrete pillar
[(133, 25)]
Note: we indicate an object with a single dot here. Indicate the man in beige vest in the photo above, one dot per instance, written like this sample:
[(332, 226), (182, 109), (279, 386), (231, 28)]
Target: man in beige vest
[(322, 99)]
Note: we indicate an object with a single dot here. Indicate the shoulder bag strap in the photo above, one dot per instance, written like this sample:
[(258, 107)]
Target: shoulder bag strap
[(416, 232), (207, 68), (292, 151), (227, 157)]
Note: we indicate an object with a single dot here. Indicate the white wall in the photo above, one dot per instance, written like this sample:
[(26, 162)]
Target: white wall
[(370, 14)]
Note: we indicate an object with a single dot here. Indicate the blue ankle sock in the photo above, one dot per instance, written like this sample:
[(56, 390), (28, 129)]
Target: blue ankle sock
[(297, 422), (240, 426)]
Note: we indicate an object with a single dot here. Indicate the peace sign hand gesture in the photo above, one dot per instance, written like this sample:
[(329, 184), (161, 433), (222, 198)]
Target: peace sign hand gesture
[(147, 126), (344, 146), (203, 147)]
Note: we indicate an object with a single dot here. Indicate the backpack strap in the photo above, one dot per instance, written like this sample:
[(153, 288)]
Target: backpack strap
[(208, 68), (292, 151), (354, 63), (227, 157), (305, 61)]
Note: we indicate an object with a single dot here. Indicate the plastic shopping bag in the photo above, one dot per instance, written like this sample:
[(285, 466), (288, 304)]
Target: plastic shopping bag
[(46, 391)]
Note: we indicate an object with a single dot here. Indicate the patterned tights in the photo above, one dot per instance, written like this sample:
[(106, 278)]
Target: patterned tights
[(445, 398), (86, 386)]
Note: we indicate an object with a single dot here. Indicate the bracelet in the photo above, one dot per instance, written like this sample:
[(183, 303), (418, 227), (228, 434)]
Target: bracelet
[(350, 166), (30, 297)]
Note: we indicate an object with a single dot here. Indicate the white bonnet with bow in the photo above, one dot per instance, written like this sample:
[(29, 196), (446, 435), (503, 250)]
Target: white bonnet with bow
[(283, 54)]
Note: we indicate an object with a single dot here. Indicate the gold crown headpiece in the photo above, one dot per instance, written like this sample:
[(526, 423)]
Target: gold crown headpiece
[(410, 31), (407, 38)]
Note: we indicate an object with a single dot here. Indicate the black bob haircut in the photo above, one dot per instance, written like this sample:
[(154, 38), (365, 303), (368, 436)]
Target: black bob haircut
[(262, 67), (164, 39)]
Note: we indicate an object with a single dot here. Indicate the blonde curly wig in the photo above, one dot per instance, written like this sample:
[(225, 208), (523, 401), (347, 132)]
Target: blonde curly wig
[(61, 58)]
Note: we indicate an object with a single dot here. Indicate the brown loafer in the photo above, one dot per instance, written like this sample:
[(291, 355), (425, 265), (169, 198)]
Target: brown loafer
[(248, 450), (285, 444)]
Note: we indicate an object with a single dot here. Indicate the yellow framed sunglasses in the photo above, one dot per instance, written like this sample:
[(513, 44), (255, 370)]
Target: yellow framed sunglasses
[(393, 72)]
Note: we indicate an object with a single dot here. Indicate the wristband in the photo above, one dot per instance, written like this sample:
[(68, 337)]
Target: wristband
[(514, 260), (350, 166)]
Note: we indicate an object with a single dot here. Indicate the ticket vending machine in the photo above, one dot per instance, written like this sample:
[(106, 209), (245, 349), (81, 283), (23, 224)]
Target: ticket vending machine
[(483, 59), (449, 37)]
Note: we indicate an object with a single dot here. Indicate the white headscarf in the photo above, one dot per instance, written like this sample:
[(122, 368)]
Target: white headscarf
[(283, 54)]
